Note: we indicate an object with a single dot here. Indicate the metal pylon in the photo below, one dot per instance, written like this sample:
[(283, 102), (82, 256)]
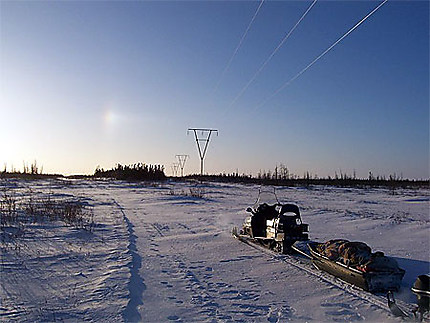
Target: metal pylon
[(205, 137), (181, 162), (175, 167)]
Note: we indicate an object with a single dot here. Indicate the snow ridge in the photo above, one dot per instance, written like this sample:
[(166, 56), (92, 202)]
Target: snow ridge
[(136, 285)]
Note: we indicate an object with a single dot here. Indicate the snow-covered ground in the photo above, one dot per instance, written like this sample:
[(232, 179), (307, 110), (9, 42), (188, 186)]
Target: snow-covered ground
[(158, 254)]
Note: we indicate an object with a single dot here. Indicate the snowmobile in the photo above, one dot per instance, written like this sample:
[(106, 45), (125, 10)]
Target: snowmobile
[(422, 290), (279, 227), (357, 265), (276, 226)]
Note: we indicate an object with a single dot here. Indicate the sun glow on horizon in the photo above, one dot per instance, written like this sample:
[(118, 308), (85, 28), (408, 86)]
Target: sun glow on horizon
[(110, 117)]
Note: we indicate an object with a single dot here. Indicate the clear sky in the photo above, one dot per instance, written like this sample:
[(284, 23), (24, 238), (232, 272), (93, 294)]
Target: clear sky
[(87, 83)]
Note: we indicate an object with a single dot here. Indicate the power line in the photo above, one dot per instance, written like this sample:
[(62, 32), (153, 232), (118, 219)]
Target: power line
[(321, 55), (272, 54), (238, 45)]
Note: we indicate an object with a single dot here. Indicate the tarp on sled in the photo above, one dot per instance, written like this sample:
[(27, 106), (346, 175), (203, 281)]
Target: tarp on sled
[(355, 263), (357, 254)]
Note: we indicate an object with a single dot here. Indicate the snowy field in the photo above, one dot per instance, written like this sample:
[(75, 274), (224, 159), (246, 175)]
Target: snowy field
[(159, 254)]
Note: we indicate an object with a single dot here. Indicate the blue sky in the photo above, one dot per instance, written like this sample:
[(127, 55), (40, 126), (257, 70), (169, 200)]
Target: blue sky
[(96, 83)]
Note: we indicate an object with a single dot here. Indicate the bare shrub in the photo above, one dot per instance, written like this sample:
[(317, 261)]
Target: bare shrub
[(34, 209), (8, 203), (196, 192)]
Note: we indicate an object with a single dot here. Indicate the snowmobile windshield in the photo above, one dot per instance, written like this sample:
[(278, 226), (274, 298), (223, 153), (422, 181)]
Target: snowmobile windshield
[(266, 195)]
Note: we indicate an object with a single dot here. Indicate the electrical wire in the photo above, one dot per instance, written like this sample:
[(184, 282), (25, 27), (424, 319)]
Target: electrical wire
[(272, 54), (320, 56), (238, 45)]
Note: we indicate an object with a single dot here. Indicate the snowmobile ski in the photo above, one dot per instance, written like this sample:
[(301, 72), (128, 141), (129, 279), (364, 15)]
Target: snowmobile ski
[(416, 315), (394, 308)]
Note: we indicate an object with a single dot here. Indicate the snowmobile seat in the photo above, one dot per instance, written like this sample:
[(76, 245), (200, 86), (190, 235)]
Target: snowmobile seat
[(258, 221), (267, 211), (258, 225)]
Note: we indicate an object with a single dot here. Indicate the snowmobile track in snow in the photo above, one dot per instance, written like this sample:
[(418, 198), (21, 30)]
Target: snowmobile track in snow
[(305, 264), (136, 285)]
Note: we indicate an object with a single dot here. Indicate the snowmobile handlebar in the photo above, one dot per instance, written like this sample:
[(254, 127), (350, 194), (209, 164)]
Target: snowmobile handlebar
[(256, 210), (250, 210)]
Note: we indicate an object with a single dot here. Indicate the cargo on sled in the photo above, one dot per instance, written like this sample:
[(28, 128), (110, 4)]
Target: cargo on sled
[(355, 263)]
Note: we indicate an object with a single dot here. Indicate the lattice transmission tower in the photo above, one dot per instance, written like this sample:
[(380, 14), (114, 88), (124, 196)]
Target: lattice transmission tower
[(181, 162), (175, 167)]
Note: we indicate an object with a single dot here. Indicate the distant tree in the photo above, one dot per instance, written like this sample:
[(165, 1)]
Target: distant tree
[(34, 168), (138, 171)]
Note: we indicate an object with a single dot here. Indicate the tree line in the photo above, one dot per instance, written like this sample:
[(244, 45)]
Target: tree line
[(139, 171), (283, 177)]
